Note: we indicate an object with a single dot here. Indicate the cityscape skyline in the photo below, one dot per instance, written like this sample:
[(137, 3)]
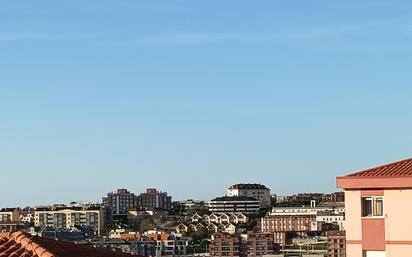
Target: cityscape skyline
[(192, 97)]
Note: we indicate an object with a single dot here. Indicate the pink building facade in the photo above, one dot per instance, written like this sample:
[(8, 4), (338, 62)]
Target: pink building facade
[(378, 204)]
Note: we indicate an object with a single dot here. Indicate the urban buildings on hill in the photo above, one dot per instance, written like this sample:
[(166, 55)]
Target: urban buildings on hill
[(257, 191), (378, 208), (122, 201), (282, 221), (149, 224)]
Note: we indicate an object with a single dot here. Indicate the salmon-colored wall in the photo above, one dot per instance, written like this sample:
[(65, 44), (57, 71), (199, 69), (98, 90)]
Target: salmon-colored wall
[(353, 250), (353, 222), (398, 250), (373, 234), (398, 215)]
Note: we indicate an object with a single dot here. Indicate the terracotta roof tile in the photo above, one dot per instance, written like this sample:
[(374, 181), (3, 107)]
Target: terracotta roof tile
[(18, 244), (401, 168)]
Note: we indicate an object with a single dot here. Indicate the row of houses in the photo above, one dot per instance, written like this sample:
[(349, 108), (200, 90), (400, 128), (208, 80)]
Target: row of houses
[(219, 218), (214, 228), (215, 222)]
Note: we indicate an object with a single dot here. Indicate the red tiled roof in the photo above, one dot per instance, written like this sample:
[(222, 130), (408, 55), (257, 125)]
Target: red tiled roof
[(18, 244), (393, 175), (402, 168)]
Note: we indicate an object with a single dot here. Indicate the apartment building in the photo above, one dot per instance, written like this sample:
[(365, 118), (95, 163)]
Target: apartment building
[(225, 245), (234, 204), (174, 245), (9, 215), (68, 217), (153, 199), (120, 201), (257, 191), (313, 209), (282, 220), (258, 244), (378, 210), (338, 219), (336, 243), (280, 225), (250, 244)]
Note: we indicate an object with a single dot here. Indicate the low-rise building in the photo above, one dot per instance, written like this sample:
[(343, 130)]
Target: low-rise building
[(327, 217), (9, 215), (234, 204), (68, 217)]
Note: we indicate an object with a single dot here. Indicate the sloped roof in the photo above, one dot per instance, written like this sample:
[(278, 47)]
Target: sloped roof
[(248, 186), (400, 168), (392, 175), (19, 244)]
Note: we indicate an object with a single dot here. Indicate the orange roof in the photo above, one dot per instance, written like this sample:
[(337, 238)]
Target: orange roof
[(18, 244), (393, 175)]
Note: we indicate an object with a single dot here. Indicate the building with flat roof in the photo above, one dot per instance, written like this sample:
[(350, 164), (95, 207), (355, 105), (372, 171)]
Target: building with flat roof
[(336, 243), (68, 217), (243, 245), (120, 202), (154, 199), (9, 215), (378, 210), (234, 204)]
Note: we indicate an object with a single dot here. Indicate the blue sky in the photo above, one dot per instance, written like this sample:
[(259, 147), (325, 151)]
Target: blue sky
[(192, 96)]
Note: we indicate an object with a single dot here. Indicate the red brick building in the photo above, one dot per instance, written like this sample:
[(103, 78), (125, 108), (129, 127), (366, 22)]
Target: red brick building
[(336, 244), (245, 245), (225, 245), (279, 225)]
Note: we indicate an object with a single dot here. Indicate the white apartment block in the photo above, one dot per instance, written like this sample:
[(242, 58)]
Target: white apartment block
[(257, 191)]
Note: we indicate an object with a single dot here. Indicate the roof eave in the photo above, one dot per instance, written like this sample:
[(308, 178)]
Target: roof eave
[(348, 182)]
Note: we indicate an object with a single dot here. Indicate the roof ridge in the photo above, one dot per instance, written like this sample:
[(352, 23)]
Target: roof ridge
[(29, 244), (378, 167)]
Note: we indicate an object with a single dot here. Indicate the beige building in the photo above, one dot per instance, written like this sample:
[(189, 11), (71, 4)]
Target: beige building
[(68, 217), (257, 191), (9, 215)]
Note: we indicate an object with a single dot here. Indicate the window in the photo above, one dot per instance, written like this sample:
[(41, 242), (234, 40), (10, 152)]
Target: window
[(372, 206)]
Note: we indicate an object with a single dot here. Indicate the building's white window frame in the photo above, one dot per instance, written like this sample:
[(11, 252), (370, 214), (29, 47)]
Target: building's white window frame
[(375, 209)]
